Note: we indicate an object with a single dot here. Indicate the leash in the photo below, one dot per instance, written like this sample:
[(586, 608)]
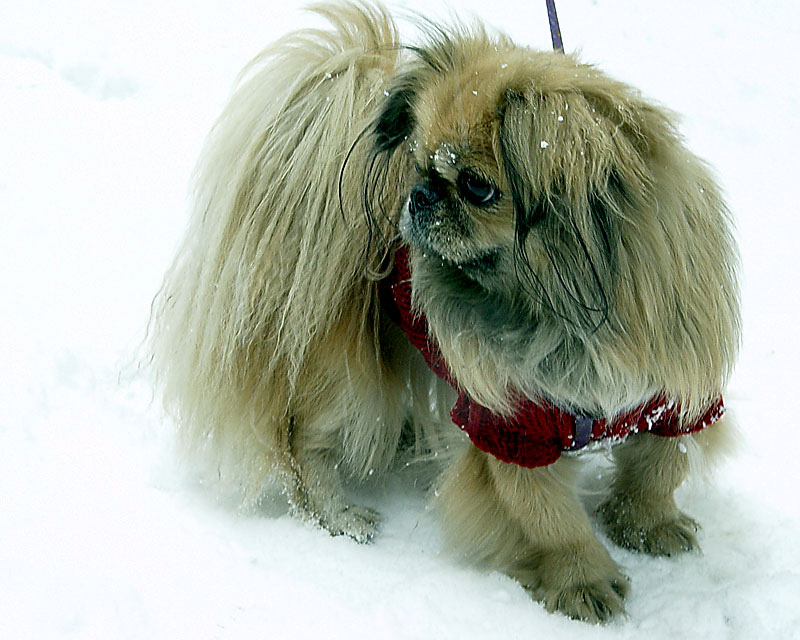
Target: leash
[(555, 30)]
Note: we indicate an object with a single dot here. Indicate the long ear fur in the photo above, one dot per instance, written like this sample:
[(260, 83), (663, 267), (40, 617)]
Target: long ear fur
[(633, 229), (571, 207)]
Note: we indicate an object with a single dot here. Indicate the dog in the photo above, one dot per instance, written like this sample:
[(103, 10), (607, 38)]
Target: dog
[(383, 230)]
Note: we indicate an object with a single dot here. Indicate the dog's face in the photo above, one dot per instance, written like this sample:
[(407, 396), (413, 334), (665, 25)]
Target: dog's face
[(460, 208), (457, 210)]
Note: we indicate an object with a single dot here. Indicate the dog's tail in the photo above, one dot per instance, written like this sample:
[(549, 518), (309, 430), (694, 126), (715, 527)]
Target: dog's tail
[(274, 261)]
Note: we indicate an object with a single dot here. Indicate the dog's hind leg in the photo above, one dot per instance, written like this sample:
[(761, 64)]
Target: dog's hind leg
[(530, 524), (640, 512), (315, 491)]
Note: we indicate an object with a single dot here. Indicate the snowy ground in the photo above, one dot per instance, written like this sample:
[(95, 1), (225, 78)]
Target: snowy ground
[(103, 107)]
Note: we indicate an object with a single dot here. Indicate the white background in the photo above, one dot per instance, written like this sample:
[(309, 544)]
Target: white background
[(103, 108)]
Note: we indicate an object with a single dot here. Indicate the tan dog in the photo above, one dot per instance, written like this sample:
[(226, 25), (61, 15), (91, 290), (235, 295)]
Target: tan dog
[(564, 245)]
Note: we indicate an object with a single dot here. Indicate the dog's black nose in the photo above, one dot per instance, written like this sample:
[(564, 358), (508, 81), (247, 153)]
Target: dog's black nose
[(423, 196)]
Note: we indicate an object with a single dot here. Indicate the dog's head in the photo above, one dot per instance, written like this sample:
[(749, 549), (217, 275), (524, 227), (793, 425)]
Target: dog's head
[(528, 163)]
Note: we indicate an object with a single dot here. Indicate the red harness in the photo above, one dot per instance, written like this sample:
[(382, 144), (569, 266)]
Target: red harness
[(537, 433)]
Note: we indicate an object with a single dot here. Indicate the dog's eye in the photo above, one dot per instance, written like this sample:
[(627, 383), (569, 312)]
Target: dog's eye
[(476, 190)]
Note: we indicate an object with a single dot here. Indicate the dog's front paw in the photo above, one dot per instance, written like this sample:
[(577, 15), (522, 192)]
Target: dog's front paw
[(653, 533), (596, 603), (584, 585)]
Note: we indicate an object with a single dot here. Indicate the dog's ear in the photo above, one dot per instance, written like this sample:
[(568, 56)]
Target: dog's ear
[(562, 186), (395, 120), (552, 165), (443, 53), (514, 152)]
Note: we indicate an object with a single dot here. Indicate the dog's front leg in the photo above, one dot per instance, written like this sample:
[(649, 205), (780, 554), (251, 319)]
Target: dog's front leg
[(530, 524), (640, 512)]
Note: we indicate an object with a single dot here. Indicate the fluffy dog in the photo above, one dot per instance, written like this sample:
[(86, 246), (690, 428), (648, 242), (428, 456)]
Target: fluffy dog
[(563, 247)]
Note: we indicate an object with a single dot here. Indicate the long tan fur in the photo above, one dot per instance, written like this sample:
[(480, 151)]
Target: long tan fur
[(598, 270), (266, 308)]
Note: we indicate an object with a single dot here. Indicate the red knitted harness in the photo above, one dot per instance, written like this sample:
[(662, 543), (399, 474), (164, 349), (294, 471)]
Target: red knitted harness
[(537, 432)]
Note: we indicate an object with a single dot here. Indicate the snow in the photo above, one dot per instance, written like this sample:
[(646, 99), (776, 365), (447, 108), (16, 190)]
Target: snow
[(104, 107)]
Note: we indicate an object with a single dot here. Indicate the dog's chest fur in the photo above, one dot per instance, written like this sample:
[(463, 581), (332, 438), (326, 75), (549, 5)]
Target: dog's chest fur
[(493, 343)]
